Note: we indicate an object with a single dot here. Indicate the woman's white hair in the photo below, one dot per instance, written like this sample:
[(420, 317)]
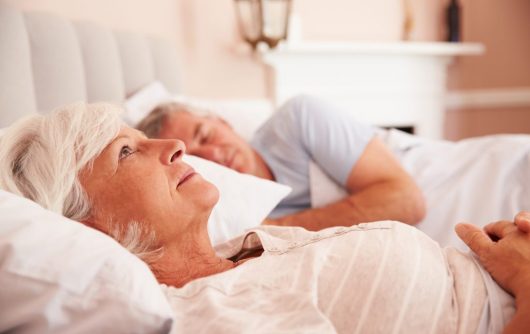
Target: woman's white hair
[(41, 158)]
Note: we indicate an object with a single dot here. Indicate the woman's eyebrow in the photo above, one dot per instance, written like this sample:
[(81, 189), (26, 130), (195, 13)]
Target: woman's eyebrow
[(118, 138), (125, 136), (116, 141), (141, 134)]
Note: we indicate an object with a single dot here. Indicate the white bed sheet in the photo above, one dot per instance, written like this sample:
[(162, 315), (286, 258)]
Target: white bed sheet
[(477, 180)]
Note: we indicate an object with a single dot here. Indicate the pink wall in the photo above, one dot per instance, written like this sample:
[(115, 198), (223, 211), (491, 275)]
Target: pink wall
[(478, 122), (354, 20), (218, 63), (349, 19), (138, 15), (504, 28)]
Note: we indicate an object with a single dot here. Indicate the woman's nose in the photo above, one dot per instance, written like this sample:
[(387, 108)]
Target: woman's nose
[(175, 151)]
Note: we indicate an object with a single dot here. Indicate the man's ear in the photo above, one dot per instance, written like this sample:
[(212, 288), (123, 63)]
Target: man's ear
[(225, 122)]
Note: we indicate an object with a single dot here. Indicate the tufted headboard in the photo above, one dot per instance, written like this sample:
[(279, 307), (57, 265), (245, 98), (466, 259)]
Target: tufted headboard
[(47, 61)]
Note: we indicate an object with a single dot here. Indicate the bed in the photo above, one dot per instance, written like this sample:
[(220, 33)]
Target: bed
[(47, 61)]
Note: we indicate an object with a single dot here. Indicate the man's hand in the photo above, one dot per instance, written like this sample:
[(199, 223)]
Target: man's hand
[(270, 221), (504, 250)]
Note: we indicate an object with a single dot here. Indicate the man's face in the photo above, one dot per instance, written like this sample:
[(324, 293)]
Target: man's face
[(210, 138)]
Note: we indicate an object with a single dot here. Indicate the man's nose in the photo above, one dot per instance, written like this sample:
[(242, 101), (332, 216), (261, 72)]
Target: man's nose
[(208, 152)]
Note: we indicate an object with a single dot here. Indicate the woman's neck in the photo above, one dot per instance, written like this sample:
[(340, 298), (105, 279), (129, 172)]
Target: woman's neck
[(190, 260), (183, 274)]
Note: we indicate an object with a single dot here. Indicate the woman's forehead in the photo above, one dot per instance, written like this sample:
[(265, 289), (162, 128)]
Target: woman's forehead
[(127, 131)]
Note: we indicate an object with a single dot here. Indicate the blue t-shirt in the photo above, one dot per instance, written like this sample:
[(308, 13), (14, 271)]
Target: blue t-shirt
[(307, 129)]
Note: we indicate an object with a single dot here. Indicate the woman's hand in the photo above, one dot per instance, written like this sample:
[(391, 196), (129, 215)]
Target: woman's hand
[(522, 220), (503, 249)]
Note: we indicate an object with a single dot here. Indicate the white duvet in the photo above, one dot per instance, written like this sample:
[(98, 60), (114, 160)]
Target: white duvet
[(477, 180)]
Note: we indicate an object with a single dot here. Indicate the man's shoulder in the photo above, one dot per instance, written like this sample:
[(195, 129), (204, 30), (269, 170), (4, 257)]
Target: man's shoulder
[(303, 105)]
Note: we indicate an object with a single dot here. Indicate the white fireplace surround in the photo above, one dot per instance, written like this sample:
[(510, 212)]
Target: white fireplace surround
[(400, 84)]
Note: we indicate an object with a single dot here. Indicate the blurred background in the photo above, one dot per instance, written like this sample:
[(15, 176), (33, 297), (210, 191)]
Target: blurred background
[(486, 93)]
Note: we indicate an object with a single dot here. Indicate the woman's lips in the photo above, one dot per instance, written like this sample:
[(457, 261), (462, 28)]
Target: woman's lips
[(186, 176)]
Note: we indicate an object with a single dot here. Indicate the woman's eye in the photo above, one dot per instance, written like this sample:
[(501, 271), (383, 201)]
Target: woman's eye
[(125, 152)]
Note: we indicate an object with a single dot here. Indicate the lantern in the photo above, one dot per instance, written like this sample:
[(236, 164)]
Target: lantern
[(263, 20)]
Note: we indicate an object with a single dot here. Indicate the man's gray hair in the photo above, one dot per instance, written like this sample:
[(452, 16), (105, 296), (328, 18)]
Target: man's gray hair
[(41, 158), (152, 124)]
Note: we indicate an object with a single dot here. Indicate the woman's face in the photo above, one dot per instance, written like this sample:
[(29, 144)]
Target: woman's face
[(141, 179)]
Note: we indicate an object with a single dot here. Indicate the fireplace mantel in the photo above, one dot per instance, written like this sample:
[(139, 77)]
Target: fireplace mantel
[(401, 84)]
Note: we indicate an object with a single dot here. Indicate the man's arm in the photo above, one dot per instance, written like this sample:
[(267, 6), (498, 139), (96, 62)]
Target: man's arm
[(379, 189), (507, 260)]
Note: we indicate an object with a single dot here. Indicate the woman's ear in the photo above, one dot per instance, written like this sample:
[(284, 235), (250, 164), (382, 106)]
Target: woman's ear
[(88, 222), (92, 223)]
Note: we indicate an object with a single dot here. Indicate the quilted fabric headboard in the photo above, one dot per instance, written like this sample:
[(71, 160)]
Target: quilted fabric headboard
[(47, 61)]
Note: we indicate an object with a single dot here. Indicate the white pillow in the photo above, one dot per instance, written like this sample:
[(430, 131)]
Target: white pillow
[(59, 276), (244, 115), (244, 202)]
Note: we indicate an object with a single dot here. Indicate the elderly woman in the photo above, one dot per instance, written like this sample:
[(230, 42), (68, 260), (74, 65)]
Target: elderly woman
[(82, 162)]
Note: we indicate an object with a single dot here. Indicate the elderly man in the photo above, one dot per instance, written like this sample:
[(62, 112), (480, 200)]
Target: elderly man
[(304, 129)]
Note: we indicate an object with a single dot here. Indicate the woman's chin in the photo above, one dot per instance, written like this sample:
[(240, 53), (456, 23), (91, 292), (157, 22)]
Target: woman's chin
[(210, 195)]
